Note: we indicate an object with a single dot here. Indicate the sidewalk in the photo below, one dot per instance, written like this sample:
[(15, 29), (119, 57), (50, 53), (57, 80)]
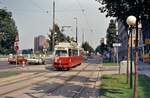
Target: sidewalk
[(144, 69), (3, 59)]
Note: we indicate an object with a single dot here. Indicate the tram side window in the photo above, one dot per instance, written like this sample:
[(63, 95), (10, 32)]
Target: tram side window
[(80, 52), (70, 52), (75, 52), (61, 53)]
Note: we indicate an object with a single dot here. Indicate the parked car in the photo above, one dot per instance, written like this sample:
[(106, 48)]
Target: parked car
[(19, 59), (36, 61)]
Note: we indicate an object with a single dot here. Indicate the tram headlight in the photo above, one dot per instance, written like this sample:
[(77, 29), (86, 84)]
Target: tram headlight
[(70, 60)]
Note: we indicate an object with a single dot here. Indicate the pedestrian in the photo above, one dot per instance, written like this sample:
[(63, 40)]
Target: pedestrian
[(23, 63)]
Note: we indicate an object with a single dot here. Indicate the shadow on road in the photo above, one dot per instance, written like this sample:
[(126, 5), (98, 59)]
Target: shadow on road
[(66, 90)]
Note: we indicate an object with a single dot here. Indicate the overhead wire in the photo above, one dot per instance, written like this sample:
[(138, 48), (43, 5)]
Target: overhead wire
[(48, 11), (35, 4), (26, 10), (85, 17), (43, 10)]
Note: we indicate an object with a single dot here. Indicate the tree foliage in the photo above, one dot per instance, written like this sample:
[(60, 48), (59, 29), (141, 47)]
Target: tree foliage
[(8, 32), (87, 47), (111, 34), (58, 36), (101, 48), (124, 8)]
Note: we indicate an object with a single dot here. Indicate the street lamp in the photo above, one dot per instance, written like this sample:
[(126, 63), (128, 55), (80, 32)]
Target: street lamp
[(76, 29), (63, 27), (131, 21)]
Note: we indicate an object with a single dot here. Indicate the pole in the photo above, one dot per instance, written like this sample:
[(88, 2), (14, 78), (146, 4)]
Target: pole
[(117, 53), (76, 29), (136, 63), (131, 78), (83, 37), (128, 56), (53, 40), (16, 58), (118, 60), (16, 46)]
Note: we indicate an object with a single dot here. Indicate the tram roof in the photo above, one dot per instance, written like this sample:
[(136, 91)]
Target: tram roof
[(67, 45)]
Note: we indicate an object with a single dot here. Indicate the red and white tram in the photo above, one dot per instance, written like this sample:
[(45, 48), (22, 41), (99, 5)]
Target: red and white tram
[(67, 55)]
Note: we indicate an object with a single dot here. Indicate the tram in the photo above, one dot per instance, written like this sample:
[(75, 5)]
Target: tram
[(67, 55)]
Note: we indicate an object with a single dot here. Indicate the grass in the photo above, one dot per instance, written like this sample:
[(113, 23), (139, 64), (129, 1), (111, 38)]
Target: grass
[(115, 86), (109, 64), (144, 83), (7, 74)]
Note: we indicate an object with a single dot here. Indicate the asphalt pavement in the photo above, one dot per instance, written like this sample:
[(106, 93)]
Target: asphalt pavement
[(5, 66), (144, 68)]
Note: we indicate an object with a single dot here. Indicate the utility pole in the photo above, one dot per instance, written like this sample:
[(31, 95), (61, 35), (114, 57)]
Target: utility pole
[(83, 37), (53, 40), (76, 29), (16, 46)]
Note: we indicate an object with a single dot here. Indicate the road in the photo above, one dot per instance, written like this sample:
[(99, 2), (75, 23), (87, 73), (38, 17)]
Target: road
[(4, 65), (44, 82)]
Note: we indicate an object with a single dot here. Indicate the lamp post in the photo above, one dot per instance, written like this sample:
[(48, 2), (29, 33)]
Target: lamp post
[(63, 27), (136, 61), (131, 21), (76, 29)]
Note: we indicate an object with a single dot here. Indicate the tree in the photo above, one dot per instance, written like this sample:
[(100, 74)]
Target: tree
[(8, 32), (27, 51), (121, 9), (58, 36), (111, 34), (101, 48), (70, 39), (87, 47)]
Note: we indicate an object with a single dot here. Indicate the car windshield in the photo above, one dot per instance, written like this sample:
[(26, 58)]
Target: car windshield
[(61, 53)]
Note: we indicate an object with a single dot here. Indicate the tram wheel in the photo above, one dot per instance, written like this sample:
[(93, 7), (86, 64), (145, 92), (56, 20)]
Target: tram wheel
[(67, 68), (58, 69)]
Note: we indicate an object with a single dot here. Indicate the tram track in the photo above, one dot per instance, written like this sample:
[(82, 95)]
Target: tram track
[(14, 78), (47, 78), (84, 84), (35, 75), (53, 89), (26, 86)]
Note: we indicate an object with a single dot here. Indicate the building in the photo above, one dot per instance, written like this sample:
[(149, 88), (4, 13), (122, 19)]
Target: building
[(40, 43), (123, 39), (146, 41)]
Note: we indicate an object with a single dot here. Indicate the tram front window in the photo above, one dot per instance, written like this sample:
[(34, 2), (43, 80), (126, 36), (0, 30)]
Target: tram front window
[(61, 53)]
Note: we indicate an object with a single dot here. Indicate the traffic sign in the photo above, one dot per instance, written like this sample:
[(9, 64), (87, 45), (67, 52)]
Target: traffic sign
[(116, 44)]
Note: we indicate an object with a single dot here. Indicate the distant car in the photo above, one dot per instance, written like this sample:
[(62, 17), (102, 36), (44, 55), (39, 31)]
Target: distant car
[(19, 60), (36, 61)]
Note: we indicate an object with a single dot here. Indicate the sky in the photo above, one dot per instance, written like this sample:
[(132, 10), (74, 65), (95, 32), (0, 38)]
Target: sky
[(34, 17)]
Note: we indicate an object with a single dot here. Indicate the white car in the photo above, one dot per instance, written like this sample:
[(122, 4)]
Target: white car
[(36, 61)]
